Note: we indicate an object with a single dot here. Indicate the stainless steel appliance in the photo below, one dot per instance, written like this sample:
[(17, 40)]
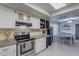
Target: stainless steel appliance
[(20, 23), (25, 45), (49, 39)]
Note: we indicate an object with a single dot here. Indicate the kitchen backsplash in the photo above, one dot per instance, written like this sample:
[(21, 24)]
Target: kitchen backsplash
[(35, 32), (7, 34)]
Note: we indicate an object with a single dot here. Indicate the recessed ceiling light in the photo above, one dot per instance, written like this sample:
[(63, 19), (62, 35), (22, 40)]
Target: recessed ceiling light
[(58, 5)]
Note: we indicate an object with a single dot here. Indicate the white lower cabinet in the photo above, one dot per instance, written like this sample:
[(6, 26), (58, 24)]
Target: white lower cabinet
[(8, 51), (40, 44)]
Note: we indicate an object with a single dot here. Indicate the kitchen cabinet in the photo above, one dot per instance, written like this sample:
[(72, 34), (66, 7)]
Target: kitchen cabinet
[(22, 17), (8, 51), (42, 23), (35, 22), (23, 20), (27, 18), (7, 18), (40, 44), (47, 24)]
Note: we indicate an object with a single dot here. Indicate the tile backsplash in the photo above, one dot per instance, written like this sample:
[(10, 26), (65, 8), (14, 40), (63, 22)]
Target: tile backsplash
[(35, 32), (7, 34)]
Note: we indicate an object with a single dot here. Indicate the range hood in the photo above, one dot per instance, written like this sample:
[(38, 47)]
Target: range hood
[(18, 23)]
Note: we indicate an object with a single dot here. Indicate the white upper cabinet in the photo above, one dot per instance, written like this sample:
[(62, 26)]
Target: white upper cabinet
[(35, 22), (7, 17), (29, 19), (19, 16), (23, 17)]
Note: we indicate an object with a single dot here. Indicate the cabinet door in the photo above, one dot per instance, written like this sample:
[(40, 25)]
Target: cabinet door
[(8, 51), (37, 45), (42, 23), (7, 18), (40, 44), (47, 24), (35, 22), (43, 44), (27, 18), (19, 16)]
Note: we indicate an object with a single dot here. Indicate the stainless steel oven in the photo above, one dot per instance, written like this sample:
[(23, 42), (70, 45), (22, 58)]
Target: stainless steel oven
[(25, 48), (25, 44)]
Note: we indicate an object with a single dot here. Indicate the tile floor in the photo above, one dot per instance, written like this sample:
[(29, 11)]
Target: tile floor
[(58, 49)]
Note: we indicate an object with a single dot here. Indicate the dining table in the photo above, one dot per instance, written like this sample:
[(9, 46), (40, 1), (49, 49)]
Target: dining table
[(66, 38)]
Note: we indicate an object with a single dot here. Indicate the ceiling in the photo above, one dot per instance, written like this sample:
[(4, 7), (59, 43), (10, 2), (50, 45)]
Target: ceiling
[(61, 17), (48, 7), (25, 8), (46, 10), (70, 10)]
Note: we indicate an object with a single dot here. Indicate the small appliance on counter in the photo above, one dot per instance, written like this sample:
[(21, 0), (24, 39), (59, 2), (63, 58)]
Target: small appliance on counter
[(25, 45), (43, 32)]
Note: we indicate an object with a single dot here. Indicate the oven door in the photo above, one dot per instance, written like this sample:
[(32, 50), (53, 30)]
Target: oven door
[(25, 48)]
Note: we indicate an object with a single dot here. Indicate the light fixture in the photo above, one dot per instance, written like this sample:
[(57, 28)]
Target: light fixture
[(70, 21), (58, 5)]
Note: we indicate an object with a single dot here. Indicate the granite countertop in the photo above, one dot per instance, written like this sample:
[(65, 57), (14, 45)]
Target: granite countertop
[(41, 36), (4, 43)]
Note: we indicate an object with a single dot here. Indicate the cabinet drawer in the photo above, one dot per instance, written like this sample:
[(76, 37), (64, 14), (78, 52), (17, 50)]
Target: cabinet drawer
[(8, 53), (4, 50), (7, 50)]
